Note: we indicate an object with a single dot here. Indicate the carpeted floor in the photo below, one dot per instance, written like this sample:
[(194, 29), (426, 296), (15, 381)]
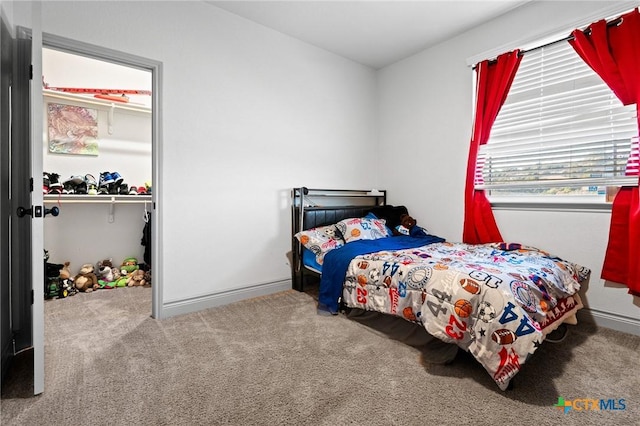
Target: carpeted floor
[(274, 361)]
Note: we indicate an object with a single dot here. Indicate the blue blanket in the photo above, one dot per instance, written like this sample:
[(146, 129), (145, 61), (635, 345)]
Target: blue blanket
[(337, 261)]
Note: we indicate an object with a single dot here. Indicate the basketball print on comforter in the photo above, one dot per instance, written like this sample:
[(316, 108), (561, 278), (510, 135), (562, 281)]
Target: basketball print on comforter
[(497, 301)]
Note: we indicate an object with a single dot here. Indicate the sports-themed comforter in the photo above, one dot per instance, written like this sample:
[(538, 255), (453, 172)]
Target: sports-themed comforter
[(497, 301)]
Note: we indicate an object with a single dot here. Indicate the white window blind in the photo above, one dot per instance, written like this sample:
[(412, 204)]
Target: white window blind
[(560, 131)]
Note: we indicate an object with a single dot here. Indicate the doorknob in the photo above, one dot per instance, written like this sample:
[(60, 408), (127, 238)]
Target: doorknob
[(22, 211), (35, 211), (53, 211)]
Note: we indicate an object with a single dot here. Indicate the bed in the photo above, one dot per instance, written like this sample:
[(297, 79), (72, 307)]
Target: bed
[(496, 301)]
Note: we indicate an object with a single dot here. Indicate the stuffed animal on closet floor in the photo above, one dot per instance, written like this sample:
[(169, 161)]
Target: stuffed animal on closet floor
[(86, 280), (105, 274), (122, 280), (109, 274), (66, 281), (408, 226), (105, 270), (104, 262), (116, 273), (136, 278), (65, 273), (129, 265)]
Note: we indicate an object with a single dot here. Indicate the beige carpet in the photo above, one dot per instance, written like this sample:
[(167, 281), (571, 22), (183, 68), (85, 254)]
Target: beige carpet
[(274, 361)]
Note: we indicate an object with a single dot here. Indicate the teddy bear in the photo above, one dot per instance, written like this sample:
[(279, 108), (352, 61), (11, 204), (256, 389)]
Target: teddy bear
[(65, 273), (408, 226), (116, 274), (136, 278), (66, 281), (86, 280)]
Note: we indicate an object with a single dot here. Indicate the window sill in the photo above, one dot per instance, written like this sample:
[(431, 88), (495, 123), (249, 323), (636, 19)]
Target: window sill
[(564, 205)]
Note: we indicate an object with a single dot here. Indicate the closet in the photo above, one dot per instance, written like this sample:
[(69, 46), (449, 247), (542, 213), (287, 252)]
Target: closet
[(90, 228)]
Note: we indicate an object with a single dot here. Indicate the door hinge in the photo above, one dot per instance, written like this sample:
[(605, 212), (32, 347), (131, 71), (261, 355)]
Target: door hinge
[(30, 72), (32, 297), (30, 184)]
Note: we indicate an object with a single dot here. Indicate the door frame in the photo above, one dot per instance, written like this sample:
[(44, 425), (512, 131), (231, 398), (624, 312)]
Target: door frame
[(155, 67)]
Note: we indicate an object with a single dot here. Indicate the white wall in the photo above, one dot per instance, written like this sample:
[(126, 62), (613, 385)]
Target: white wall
[(248, 113), (426, 109)]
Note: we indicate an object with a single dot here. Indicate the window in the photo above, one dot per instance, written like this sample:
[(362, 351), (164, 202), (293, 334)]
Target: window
[(561, 131)]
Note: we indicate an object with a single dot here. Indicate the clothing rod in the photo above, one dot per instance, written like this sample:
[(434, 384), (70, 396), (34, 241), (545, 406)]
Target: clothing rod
[(96, 201)]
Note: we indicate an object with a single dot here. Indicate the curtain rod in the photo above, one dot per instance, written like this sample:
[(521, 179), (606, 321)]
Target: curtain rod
[(570, 37), (587, 31)]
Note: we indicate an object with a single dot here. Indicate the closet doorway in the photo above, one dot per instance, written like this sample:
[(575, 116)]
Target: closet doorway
[(100, 159)]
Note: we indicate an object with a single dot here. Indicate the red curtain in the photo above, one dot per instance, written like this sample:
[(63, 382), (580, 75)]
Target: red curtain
[(613, 52), (492, 86)]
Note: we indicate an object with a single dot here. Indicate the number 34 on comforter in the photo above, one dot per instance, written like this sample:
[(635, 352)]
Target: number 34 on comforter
[(497, 301)]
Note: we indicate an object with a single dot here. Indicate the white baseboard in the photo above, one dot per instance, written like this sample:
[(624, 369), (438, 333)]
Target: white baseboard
[(199, 303), (608, 320)]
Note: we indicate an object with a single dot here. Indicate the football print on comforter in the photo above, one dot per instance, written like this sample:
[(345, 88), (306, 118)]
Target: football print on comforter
[(496, 301)]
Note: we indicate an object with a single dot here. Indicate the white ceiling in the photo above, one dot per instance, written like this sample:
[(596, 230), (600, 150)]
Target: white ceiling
[(373, 33)]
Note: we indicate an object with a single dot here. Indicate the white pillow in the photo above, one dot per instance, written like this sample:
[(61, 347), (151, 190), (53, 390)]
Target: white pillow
[(355, 229), (320, 240)]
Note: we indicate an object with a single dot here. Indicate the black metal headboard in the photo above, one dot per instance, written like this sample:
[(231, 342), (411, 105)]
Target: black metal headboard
[(312, 217), (306, 216)]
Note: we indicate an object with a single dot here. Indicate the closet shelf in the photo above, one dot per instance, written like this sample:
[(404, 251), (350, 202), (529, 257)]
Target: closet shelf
[(83, 99), (96, 199)]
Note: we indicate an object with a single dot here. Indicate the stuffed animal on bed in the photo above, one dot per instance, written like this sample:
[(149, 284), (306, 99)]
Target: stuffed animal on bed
[(408, 226)]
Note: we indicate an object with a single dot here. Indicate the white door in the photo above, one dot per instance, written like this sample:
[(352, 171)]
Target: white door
[(37, 226)]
